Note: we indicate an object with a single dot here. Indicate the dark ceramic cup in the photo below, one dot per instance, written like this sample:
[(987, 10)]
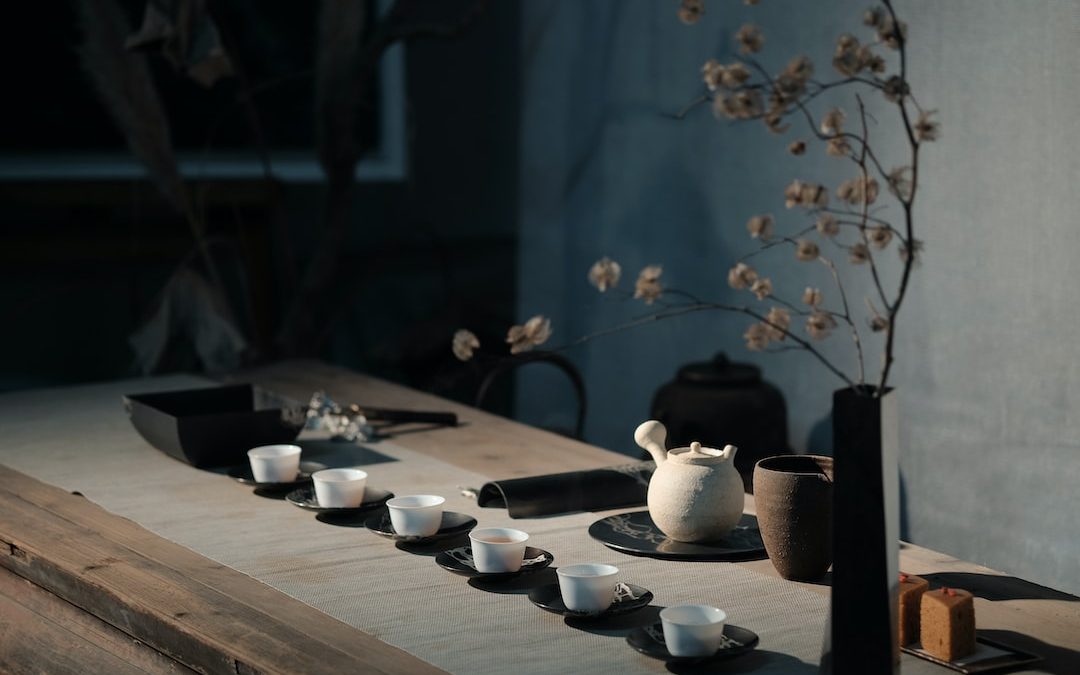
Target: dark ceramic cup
[(793, 496)]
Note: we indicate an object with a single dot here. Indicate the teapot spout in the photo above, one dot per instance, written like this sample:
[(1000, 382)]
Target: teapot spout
[(651, 436), (729, 451)]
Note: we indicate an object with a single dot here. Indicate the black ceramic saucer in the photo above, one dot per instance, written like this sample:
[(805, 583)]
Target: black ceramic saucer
[(453, 524), (305, 498), (649, 640), (636, 534), (242, 474), (628, 598), (460, 561)]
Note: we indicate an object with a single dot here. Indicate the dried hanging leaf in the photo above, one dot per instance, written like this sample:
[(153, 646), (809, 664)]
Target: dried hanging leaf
[(187, 37), (125, 87)]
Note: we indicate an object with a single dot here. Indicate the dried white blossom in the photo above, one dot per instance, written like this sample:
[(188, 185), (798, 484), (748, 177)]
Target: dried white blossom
[(464, 344), (532, 333), (712, 74), (850, 58), (605, 274), (777, 322), (797, 148), (838, 147), (819, 324), (878, 323), (762, 288), (757, 337), (790, 84), (691, 10), (806, 195), (806, 250), (911, 249), (858, 253), (750, 39), (799, 68), (846, 42), (774, 122), (859, 190), (846, 56), (741, 276), (873, 17), (899, 180), (812, 296), (741, 105), (927, 129), (879, 236), (895, 88), (648, 286), (832, 122), (760, 227), (874, 62), (892, 32), (827, 226), (717, 76)]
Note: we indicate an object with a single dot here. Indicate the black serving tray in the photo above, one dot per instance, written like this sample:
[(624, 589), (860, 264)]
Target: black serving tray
[(216, 426), (990, 656), (635, 534)]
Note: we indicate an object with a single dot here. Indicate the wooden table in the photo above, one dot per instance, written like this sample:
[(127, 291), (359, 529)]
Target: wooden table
[(83, 590)]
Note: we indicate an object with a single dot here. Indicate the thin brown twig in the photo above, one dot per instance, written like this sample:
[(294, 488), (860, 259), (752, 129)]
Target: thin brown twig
[(909, 260), (776, 241), (866, 202), (710, 306), (846, 316)]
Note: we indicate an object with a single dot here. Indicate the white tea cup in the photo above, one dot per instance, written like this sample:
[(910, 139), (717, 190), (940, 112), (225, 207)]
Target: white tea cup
[(588, 587), (498, 549), (339, 488), (274, 463), (693, 630), (416, 515)]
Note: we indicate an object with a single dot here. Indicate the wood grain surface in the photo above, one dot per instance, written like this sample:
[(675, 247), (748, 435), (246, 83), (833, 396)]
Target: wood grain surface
[(100, 580), (191, 609)]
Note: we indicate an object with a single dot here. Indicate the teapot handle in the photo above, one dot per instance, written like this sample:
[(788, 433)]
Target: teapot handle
[(651, 436)]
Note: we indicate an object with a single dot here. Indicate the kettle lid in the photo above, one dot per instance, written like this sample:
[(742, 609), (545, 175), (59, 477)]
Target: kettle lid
[(720, 372)]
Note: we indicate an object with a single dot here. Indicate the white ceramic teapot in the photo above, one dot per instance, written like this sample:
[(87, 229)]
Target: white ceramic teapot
[(695, 494)]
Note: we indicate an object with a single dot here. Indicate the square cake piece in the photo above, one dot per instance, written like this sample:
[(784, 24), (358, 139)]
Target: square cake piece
[(947, 623), (911, 591)]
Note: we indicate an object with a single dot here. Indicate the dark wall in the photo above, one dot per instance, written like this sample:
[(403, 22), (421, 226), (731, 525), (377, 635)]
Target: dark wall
[(82, 263)]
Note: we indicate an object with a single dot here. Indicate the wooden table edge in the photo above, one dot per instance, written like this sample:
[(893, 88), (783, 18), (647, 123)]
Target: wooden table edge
[(314, 641)]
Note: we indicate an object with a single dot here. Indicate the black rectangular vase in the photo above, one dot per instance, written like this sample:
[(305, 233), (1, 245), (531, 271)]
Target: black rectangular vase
[(866, 531)]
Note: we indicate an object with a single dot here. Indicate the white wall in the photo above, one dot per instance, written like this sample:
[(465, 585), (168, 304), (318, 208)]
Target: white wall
[(987, 375)]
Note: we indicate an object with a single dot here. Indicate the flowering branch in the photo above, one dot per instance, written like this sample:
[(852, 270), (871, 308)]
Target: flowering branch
[(735, 95)]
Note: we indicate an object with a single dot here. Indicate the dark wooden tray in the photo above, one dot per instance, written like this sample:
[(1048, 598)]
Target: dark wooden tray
[(990, 656)]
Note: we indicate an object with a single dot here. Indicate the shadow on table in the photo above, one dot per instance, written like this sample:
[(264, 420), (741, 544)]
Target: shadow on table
[(518, 585), (354, 520), (1056, 660), (756, 660), (434, 548), (616, 626), (621, 626), (996, 587), (335, 454), (394, 430)]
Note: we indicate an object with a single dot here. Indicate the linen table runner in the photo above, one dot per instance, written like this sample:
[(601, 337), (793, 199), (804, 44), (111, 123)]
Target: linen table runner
[(81, 440)]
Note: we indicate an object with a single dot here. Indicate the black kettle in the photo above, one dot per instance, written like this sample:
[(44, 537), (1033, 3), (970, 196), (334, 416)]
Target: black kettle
[(719, 402)]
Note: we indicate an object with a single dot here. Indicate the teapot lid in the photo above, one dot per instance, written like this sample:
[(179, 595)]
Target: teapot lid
[(720, 372), (696, 454)]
